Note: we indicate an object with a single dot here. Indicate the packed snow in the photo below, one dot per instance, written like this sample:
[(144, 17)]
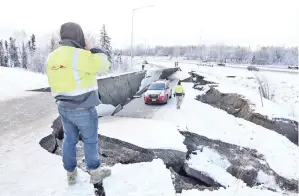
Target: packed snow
[(27, 169), (16, 81), (203, 119), (283, 83), (265, 107), (283, 87), (140, 179), (181, 75), (105, 109), (232, 191), (145, 133), (151, 75), (210, 163)]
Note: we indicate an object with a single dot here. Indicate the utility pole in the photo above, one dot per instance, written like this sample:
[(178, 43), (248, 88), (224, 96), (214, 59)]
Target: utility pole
[(132, 55)]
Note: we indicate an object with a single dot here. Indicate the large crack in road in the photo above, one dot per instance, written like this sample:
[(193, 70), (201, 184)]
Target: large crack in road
[(245, 164), (237, 105)]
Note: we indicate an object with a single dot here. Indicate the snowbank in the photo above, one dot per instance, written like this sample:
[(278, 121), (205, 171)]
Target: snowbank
[(151, 75), (194, 116), (26, 169), (114, 74), (267, 107), (211, 164), (283, 86), (237, 190), (15, 81), (105, 109), (146, 133), (181, 75), (140, 179)]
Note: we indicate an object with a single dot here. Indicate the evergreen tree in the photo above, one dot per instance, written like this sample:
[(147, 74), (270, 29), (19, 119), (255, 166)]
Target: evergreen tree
[(105, 43), (2, 55), (33, 46), (29, 45), (13, 53), (6, 55), (24, 57), (6, 45)]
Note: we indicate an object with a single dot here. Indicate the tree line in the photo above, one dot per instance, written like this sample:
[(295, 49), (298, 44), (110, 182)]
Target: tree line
[(267, 55), (14, 55), (21, 51)]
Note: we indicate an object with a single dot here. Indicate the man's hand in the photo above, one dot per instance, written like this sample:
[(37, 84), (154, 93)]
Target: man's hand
[(88, 45), (96, 50)]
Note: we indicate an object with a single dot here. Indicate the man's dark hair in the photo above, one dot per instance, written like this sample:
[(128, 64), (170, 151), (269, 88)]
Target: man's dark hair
[(179, 83)]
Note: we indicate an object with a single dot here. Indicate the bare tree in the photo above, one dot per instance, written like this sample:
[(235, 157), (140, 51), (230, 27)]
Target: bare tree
[(54, 42), (21, 37), (265, 88), (93, 39)]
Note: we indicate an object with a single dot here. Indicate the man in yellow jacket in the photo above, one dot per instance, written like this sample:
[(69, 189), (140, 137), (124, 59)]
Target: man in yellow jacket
[(179, 94), (71, 71)]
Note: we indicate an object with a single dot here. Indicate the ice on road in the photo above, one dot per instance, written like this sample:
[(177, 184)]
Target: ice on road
[(140, 179), (146, 133)]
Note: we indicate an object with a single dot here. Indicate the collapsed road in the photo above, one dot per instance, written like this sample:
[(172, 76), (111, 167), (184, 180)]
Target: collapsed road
[(237, 105), (184, 176)]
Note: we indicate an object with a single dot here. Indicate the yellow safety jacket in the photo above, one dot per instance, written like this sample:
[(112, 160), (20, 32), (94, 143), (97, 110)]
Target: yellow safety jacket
[(179, 90), (72, 71)]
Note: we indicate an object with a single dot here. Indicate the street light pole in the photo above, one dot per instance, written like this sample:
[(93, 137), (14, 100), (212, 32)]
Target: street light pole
[(133, 31), (132, 39)]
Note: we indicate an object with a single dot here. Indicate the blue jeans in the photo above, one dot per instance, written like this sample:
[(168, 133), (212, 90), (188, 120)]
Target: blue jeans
[(85, 122)]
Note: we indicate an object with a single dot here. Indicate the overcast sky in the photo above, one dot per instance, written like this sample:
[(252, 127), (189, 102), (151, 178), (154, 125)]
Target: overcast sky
[(169, 22)]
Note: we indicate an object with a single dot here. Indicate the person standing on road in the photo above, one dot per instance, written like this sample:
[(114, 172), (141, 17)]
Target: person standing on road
[(179, 94), (71, 71)]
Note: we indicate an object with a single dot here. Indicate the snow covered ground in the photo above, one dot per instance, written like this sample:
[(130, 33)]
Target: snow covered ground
[(140, 179), (213, 165), (265, 107), (195, 116), (26, 169), (284, 87), (15, 81), (184, 60), (232, 191), (152, 74), (146, 133)]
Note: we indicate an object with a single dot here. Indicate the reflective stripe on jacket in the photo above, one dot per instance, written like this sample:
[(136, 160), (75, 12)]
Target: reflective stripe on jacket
[(179, 89), (72, 71)]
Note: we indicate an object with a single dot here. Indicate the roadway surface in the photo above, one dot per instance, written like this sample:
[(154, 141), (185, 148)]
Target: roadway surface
[(138, 109), (238, 66), (24, 112), (38, 109)]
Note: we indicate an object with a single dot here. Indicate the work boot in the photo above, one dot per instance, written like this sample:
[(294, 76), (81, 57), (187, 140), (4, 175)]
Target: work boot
[(71, 177), (98, 175)]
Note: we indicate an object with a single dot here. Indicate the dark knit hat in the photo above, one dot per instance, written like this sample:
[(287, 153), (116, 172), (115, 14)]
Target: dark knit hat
[(72, 31)]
